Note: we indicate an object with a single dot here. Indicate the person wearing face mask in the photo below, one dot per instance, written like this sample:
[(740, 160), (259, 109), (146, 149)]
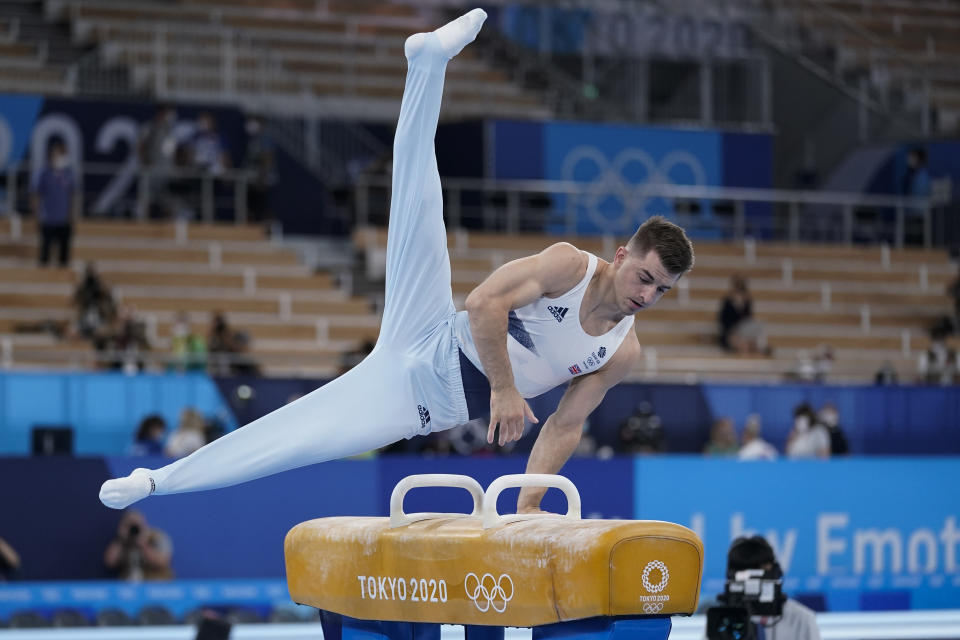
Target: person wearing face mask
[(150, 436), (808, 438), (753, 446), (829, 417), (55, 202)]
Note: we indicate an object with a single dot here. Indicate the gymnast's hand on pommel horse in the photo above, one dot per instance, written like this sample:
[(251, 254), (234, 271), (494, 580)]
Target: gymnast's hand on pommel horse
[(403, 576), (562, 316)]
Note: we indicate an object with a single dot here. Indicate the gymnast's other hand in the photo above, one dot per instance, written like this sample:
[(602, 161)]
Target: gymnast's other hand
[(508, 409)]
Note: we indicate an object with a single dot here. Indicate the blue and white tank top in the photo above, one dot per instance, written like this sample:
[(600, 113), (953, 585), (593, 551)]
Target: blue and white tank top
[(545, 342)]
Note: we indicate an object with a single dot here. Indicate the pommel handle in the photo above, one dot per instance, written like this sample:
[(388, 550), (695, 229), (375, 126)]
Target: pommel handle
[(399, 519), (492, 519)]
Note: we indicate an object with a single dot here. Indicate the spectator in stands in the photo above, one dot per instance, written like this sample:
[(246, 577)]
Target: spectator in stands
[(126, 342), (953, 291), (739, 331), (150, 436), (220, 344), (753, 446), (9, 562), (139, 552), (916, 180), (220, 339), (829, 416), (188, 348), (189, 435), (56, 202), (156, 149), (642, 431), (207, 148), (938, 364), (95, 307), (723, 439), (808, 438), (259, 160), (241, 362), (886, 375), (814, 367)]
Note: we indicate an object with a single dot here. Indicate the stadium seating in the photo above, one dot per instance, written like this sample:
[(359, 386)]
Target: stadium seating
[(298, 321), (897, 43), (348, 57), (807, 296)]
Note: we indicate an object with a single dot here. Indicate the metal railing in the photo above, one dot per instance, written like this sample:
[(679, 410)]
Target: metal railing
[(131, 191), (558, 206), (786, 215), (14, 355)]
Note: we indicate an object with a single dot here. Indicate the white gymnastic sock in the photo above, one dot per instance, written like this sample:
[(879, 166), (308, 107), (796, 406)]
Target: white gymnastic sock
[(410, 384)]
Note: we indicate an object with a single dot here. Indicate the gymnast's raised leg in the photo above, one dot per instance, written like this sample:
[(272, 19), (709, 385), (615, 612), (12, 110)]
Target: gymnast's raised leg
[(375, 403)]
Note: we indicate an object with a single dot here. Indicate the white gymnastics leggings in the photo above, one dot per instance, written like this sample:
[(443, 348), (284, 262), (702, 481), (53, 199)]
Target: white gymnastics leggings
[(381, 400)]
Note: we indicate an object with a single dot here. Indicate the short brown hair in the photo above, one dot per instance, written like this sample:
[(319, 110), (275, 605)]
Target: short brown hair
[(668, 240)]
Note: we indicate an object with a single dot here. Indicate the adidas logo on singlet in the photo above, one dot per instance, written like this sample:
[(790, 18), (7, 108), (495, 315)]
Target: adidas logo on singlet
[(424, 416), (558, 312)]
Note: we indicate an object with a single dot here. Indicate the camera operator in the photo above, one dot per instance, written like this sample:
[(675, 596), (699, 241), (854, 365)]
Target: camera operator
[(754, 605), (139, 552)]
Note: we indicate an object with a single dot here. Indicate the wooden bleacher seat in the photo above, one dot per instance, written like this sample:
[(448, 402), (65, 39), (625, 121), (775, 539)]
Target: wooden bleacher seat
[(316, 323), (306, 46)]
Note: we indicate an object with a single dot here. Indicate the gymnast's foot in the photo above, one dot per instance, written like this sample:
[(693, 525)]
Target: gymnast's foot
[(451, 37), (122, 492)]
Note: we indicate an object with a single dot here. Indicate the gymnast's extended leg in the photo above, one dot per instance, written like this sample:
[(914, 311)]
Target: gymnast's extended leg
[(339, 418)]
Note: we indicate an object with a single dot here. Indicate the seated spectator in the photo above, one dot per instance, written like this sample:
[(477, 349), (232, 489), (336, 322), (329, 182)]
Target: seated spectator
[(189, 435), (188, 349), (723, 439), (829, 417), (953, 291), (229, 349), (150, 436), (886, 375), (241, 362), (739, 331), (96, 309), (754, 447), (125, 342), (139, 552), (9, 562), (808, 438), (813, 367), (938, 364), (642, 431), (219, 344)]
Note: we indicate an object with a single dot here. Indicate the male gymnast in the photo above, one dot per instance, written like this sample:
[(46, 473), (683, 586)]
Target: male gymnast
[(559, 316)]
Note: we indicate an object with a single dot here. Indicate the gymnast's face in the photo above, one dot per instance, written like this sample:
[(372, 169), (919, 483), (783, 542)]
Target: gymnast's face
[(640, 280)]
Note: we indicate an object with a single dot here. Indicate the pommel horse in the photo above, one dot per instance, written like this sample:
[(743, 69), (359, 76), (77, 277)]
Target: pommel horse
[(403, 576)]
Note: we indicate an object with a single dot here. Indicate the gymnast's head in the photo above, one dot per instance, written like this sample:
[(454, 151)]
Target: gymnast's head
[(651, 263)]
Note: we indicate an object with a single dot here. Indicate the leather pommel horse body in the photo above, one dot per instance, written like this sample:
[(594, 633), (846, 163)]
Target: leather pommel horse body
[(619, 578)]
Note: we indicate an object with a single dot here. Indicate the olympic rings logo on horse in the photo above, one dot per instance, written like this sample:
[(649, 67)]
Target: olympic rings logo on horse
[(488, 591)]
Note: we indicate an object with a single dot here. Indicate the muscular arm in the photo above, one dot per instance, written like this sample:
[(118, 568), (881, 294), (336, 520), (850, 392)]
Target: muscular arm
[(553, 271), (561, 433)]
